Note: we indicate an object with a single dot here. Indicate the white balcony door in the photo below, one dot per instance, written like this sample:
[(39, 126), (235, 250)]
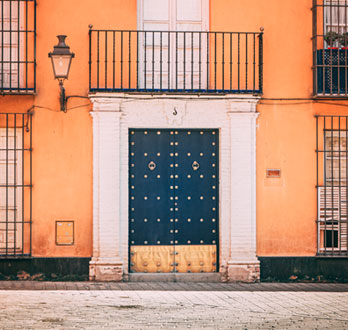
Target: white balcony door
[(175, 60)]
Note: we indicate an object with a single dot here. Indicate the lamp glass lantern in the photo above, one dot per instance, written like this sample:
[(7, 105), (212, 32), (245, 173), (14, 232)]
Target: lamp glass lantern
[(61, 58)]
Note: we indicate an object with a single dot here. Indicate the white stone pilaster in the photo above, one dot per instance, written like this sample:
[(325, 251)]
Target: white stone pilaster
[(243, 264), (106, 263)]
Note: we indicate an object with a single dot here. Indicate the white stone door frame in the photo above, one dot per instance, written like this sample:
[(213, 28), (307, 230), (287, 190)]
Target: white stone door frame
[(235, 117)]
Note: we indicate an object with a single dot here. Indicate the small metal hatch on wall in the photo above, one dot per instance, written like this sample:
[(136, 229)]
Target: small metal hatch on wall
[(64, 232)]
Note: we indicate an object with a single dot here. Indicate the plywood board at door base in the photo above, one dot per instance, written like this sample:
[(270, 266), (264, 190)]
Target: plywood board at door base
[(195, 258), (179, 258), (152, 259)]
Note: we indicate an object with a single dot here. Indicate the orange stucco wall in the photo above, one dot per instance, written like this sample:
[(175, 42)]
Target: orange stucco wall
[(62, 143), (286, 133)]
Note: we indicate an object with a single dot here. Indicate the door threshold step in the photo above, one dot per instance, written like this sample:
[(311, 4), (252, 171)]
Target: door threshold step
[(178, 277)]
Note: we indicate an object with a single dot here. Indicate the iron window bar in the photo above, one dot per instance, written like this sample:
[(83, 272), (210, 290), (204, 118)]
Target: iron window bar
[(332, 185), (175, 61), (15, 185), (17, 46)]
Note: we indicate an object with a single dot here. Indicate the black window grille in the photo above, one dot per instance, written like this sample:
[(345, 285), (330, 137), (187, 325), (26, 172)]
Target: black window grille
[(175, 61), (15, 184), (332, 184), (330, 48), (17, 46)]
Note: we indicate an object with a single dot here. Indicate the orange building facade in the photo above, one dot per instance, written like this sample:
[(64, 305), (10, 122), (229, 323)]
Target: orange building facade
[(198, 137)]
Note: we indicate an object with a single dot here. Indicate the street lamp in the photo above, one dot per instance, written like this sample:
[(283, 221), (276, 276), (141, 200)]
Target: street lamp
[(61, 58)]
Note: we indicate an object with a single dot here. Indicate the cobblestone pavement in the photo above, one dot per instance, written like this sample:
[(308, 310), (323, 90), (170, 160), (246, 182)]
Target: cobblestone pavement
[(157, 306), (170, 286)]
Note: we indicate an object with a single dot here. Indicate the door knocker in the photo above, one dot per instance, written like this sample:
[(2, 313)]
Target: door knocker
[(195, 165), (151, 166)]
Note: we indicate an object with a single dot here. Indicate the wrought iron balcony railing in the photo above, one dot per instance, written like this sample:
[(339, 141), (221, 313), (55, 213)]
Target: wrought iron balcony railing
[(17, 46), (175, 61)]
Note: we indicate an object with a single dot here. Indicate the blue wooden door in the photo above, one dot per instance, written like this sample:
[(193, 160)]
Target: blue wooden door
[(173, 193)]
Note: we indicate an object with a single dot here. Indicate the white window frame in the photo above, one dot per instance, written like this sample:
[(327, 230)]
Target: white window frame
[(335, 154), (335, 17), (14, 207), (332, 206), (17, 77), (332, 215)]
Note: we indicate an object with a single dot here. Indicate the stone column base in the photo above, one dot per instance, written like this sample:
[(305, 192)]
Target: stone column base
[(105, 270), (247, 272)]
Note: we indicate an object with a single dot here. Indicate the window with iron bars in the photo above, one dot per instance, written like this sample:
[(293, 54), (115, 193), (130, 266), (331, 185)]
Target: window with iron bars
[(332, 184), (15, 184), (330, 47), (17, 46)]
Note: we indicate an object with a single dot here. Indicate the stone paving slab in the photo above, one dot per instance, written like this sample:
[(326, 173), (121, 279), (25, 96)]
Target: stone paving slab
[(140, 309), (170, 286)]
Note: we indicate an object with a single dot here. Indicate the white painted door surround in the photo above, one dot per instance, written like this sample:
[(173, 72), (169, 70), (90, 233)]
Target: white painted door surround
[(234, 116)]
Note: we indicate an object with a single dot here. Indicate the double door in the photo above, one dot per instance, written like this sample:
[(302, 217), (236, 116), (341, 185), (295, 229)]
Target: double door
[(173, 200)]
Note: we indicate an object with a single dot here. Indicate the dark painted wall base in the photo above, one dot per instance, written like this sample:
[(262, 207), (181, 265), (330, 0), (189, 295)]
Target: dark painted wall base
[(304, 268), (272, 269), (45, 268)]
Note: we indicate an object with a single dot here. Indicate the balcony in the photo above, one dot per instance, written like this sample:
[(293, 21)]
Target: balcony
[(17, 46), (330, 48), (175, 62)]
